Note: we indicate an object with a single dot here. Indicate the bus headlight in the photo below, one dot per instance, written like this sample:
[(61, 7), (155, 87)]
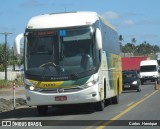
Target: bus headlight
[(154, 76), (89, 84), (29, 85), (134, 83)]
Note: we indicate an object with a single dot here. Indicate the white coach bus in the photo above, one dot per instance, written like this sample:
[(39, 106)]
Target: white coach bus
[(70, 58)]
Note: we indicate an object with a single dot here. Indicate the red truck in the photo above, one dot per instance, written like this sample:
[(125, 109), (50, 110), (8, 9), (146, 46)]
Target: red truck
[(132, 63)]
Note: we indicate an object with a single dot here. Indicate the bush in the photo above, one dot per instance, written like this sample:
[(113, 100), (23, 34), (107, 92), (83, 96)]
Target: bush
[(9, 84), (4, 83), (1, 67)]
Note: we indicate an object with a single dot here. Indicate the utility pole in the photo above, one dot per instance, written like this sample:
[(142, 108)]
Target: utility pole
[(5, 52)]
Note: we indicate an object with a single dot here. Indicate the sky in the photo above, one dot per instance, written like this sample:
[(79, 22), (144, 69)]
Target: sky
[(139, 19)]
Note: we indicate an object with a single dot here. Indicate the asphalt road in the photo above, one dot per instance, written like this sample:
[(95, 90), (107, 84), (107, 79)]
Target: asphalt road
[(133, 106)]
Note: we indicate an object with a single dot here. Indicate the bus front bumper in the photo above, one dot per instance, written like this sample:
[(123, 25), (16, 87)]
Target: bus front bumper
[(88, 95)]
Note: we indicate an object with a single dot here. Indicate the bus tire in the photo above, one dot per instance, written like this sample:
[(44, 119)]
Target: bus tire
[(100, 105), (42, 110), (142, 82), (158, 81), (115, 99), (108, 101)]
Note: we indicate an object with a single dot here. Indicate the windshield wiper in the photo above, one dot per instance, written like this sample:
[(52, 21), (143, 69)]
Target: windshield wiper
[(48, 64), (46, 67)]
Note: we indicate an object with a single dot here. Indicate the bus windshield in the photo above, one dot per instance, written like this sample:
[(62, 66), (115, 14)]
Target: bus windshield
[(60, 52)]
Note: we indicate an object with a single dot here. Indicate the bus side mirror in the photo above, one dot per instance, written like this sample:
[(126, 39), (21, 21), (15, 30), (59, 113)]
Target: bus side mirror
[(17, 42), (98, 39)]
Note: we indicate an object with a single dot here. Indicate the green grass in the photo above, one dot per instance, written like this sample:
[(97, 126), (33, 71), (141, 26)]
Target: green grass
[(4, 83)]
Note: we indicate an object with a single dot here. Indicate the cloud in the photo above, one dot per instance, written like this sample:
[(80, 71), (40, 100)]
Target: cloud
[(32, 3), (128, 23), (114, 15), (149, 22), (128, 15), (111, 15), (139, 23), (120, 19)]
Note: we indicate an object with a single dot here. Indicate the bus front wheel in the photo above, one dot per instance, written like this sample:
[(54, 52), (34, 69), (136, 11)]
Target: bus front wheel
[(42, 110), (100, 105), (115, 99)]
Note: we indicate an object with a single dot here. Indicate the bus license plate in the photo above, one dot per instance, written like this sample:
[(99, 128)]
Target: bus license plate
[(60, 98), (126, 86)]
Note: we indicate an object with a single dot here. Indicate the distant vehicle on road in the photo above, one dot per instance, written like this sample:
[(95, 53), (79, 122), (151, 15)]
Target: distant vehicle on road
[(135, 61), (149, 71), (131, 81), (158, 59)]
